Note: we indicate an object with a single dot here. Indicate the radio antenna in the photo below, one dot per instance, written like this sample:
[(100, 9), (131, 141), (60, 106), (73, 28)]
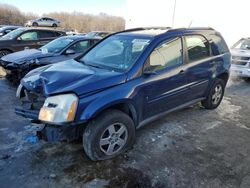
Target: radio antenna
[(173, 18)]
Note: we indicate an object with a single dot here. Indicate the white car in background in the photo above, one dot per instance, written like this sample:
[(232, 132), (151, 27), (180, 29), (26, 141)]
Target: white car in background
[(241, 58), (44, 21)]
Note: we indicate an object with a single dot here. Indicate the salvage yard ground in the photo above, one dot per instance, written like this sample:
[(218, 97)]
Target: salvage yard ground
[(189, 148)]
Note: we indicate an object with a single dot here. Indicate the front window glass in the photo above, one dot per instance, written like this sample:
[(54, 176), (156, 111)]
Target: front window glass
[(56, 45), (243, 44), (167, 54), (80, 46), (13, 34), (117, 53), (91, 34), (29, 36)]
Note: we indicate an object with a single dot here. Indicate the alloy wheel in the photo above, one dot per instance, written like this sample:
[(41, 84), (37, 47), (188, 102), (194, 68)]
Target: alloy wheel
[(216, 97), (113, 138)]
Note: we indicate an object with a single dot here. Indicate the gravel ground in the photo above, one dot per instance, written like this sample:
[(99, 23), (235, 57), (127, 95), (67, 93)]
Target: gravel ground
[(189, 148)]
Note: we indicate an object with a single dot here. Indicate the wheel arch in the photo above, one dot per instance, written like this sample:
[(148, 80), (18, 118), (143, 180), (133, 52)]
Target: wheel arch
[(224, 76), (7, 49), (126, 106)]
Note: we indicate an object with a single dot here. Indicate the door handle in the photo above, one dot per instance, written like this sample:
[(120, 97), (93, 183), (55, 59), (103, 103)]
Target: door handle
[(181, 71), (213, 63)]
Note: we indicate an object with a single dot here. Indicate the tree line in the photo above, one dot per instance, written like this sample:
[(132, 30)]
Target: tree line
[(78, 21)]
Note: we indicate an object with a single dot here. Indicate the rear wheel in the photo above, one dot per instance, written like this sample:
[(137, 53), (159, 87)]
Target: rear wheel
[(215, 95), (54, 25), (108, 135)]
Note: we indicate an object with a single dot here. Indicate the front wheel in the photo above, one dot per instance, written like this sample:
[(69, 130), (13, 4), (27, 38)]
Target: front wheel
[(108, 135), (35, 24), (4, 52), (215, 95)]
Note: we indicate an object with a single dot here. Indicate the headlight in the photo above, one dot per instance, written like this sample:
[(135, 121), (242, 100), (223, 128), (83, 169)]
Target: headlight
[(59, 108), (32, 61)]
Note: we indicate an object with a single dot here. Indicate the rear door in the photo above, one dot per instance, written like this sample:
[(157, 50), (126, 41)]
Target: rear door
[(200, 66), (45, 36), (167, 87), (42, 22)]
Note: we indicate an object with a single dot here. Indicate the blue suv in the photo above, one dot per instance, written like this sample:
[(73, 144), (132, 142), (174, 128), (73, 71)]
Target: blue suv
[(125, 81)]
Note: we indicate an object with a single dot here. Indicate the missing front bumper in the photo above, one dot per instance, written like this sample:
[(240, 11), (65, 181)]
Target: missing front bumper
[(53, 133), (30, 114)]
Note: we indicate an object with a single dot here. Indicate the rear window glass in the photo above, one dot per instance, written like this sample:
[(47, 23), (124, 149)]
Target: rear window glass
[(46, 34), (197, 47)]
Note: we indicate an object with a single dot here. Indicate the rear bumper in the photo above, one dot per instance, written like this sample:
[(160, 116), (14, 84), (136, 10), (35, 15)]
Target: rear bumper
[(240, 70)]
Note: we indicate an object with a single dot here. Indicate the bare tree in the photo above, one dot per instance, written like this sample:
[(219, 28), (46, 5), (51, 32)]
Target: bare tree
[(87, 22), (78, 21)]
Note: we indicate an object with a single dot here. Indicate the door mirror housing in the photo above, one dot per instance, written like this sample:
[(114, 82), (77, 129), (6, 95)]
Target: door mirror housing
[(19, 38), (149, 70), (70, 52)]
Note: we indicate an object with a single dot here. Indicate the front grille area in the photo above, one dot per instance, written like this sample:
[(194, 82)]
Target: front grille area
[(237, 60), (4, 63), (32, 101)]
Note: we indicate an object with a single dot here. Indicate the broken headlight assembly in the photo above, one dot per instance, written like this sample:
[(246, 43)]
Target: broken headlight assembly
[(59, 108)]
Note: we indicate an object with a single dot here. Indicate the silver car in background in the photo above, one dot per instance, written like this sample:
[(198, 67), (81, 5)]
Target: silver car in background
[(44, 22), (241, 58)]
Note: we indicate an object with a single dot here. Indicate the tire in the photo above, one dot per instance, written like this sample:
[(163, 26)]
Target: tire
[(215, 95), (99, 144), (34, 24), (54, 25), (4, 52), (246, 80)]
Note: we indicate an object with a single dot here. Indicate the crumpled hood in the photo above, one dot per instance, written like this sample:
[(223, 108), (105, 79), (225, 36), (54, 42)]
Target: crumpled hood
[(70, 76), (240, 52), (25, 55)]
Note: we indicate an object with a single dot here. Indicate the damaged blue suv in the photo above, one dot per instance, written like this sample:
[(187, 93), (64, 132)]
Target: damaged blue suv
[(125, 81)]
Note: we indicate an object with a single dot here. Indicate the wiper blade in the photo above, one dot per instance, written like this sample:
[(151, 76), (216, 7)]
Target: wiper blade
[(96, 66)]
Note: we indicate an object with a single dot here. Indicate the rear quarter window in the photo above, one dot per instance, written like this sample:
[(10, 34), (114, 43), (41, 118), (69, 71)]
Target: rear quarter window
[(219, 45)]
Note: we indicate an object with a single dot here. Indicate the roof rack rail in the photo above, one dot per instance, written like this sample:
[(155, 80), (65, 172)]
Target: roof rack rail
[(142, 29), (192, 28)]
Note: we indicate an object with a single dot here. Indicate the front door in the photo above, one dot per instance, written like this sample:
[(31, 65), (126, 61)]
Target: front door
[(165, 83), (27, 40)]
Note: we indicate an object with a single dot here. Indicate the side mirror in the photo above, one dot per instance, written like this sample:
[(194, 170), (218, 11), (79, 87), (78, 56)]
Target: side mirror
[(70, 52), (19, 38), (149, 70), (7, 31)]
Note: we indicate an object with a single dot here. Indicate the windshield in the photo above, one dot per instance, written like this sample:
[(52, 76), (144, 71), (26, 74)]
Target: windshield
[(91, 34), (56, 45), (117, 53), (97, 34), (243, 44), (13, 34)]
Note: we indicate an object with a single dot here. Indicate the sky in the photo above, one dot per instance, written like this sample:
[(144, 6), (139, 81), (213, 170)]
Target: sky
[(227, 16), (113, 7)]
